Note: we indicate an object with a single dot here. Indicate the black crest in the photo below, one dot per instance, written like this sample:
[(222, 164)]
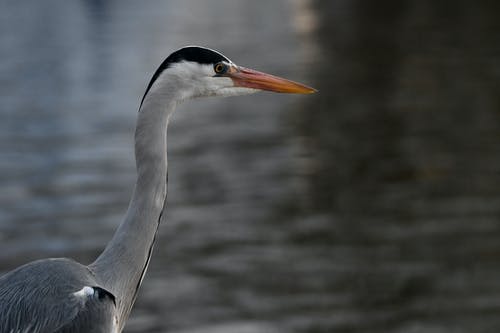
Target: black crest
[(197, 54)]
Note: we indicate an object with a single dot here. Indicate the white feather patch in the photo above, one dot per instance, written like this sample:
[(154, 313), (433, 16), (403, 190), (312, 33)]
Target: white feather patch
[(85, 292)]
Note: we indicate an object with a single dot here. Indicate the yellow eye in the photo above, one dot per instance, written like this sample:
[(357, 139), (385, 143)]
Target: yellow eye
[(220, 68)]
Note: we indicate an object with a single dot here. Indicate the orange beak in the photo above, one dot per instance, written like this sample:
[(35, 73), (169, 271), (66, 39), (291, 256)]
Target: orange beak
[(249, 78)]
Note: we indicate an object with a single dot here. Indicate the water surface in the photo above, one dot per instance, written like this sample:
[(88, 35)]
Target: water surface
[(372, 206)]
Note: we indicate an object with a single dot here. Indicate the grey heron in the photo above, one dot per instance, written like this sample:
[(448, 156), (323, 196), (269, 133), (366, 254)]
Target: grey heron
[(62, 295)]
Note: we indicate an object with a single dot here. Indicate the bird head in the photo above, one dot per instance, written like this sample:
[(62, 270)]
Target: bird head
[(195, 71)]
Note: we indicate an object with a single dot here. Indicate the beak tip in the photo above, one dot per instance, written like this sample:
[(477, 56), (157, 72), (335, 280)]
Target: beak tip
[(299, 88), (308, 90)]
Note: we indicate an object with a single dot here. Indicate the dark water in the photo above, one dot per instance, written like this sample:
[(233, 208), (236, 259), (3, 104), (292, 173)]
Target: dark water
[(372, 206)]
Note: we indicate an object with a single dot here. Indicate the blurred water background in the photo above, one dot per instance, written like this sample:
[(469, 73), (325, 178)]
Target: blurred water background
[(372, 206)]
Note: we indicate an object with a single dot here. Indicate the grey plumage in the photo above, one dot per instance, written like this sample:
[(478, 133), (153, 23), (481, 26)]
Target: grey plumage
[(61, 295), (40, 297)]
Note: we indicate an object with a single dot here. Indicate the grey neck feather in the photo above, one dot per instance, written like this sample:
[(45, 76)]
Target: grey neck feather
[(122, 265)]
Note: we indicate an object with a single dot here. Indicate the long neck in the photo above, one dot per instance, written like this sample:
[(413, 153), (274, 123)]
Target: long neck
[(122, 265)]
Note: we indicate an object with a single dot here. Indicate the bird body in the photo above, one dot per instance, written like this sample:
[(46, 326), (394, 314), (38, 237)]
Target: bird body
[(61, 295), (49, 302)]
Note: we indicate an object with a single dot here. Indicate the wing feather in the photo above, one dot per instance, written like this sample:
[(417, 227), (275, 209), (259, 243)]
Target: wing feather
[(42, 297)]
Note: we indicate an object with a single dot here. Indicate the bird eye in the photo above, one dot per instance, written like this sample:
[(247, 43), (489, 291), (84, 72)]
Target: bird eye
[(220, 68)]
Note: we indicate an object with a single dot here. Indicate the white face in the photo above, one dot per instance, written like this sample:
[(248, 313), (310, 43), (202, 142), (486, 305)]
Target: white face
[(192, 79)]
